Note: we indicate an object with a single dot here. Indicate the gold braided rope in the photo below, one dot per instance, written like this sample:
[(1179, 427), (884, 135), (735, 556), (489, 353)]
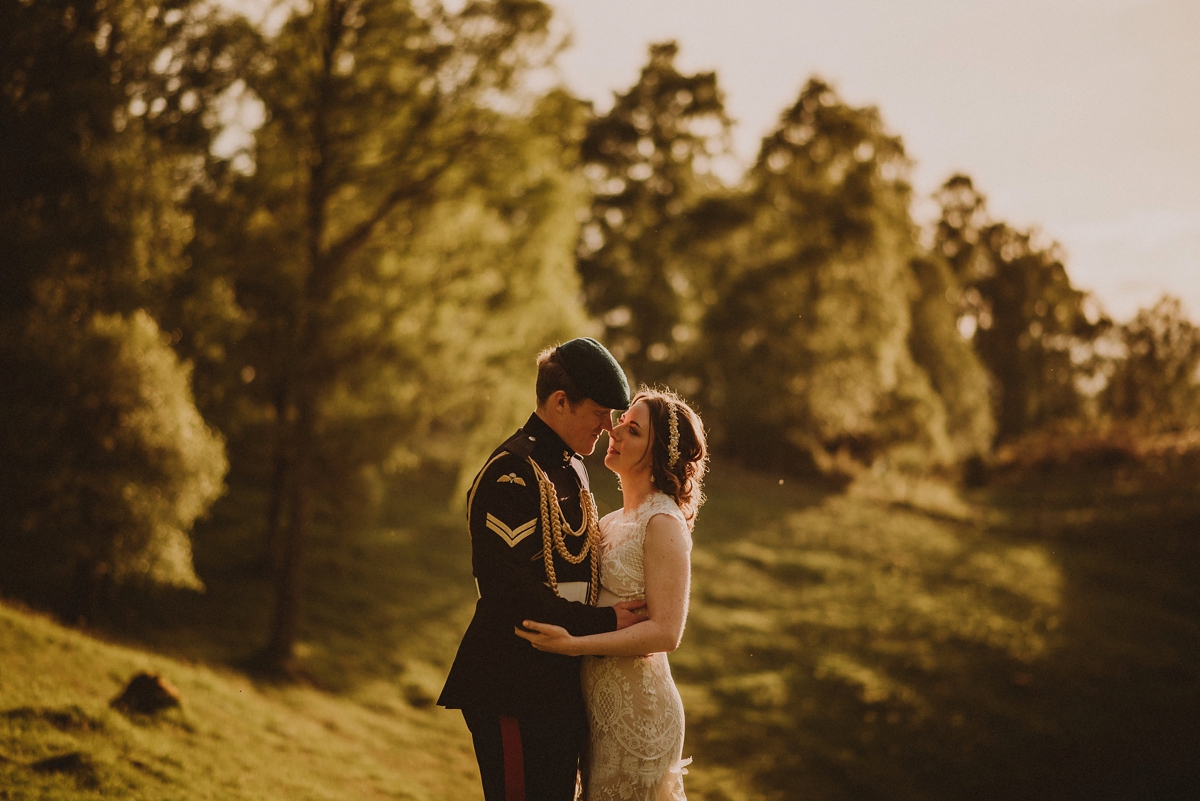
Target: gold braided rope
[(553, 522)]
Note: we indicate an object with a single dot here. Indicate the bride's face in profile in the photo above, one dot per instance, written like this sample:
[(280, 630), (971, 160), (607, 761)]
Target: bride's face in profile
[(629, 443)]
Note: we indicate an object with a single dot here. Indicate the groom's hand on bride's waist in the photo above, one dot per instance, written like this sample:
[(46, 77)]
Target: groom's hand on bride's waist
[(629, 612)]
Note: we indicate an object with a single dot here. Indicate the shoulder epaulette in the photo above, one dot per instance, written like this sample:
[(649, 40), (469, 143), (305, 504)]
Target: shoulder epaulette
[(519, 444)]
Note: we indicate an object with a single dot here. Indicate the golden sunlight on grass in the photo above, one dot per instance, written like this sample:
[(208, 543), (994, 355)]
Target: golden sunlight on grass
[(896, 641), (846, 612), (232, 739)]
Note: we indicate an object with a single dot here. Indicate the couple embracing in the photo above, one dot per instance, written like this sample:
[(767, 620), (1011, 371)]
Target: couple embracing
[(556, 583)]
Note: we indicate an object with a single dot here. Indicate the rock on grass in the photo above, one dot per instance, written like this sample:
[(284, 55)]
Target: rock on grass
[(147, 694)]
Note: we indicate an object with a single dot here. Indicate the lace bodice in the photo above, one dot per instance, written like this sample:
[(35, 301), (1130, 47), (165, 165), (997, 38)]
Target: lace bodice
[(622, 543), (634, 711)]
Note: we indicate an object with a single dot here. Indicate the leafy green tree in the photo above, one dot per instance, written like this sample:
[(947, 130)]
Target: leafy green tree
[(946, 356), (103, 110), (648, 161), (112, 461), (376, 113), (1030, 326), (45, 134), (481, 286), (102, 107), (491, 279), (809, 340), (1156, 382)]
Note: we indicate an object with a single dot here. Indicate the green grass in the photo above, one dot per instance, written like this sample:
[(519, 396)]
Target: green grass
[(1042, 641), (382, 620), (1036, 639), (231, 740)]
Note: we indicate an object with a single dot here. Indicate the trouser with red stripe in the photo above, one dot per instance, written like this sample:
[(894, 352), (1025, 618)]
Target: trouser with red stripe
[(530, 758)]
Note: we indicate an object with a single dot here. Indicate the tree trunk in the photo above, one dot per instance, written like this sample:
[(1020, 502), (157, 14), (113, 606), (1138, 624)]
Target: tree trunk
[(274, 545), (280, 654), (306, 340), (91, 589)]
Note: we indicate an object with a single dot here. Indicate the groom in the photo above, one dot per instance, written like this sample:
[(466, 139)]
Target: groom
[(534, 553)]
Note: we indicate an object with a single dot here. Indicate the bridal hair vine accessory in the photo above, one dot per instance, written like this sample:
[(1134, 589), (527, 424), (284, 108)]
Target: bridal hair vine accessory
[(673, 445)]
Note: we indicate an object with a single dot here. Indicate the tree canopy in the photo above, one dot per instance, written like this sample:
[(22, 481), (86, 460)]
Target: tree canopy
[(815, 292), (648, 162), (1030, 325), (359, 292)]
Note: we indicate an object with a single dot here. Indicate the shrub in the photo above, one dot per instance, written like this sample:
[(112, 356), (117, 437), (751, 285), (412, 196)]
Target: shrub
[(109, 460)]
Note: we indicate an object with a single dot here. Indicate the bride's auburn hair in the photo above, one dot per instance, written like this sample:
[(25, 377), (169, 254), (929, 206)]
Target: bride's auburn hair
[(683, 480)]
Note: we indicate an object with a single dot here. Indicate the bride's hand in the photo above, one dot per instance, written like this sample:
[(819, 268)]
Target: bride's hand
[(549, 638)]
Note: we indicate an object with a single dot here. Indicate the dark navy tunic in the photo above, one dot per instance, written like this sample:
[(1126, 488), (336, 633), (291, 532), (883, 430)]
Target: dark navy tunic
[(495, 670)]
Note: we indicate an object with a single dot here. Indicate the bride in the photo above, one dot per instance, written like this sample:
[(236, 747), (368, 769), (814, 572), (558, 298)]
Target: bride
[(634, 712)]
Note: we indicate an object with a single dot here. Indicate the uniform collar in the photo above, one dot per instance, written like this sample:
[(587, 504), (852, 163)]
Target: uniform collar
[(548, 447)]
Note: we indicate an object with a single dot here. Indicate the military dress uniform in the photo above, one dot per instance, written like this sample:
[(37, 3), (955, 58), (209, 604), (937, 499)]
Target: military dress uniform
[(525, 707)]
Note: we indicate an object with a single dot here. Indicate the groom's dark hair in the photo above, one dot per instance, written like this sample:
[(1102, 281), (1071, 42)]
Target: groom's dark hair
[(552, 377)]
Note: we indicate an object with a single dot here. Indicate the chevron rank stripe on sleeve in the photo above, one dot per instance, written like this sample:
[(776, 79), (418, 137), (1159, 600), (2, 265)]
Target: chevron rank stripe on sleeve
[(511, 535)]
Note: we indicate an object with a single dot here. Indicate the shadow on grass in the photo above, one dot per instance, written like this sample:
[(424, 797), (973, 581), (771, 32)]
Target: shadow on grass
[(1124, 687), (1046, 647), (1038, 641)]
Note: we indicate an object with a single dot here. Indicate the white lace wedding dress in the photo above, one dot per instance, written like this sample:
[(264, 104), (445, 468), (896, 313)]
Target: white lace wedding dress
[(635, 715)]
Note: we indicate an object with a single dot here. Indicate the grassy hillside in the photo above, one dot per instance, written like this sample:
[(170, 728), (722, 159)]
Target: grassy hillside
[(893, 643), (362, 727), (1039, 639), (232, 739)]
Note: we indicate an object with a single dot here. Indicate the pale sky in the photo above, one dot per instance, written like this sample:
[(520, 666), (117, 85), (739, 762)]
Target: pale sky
[(1079, 117)]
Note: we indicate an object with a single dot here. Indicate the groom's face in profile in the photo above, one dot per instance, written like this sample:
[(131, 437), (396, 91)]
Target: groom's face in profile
[(581, 425)]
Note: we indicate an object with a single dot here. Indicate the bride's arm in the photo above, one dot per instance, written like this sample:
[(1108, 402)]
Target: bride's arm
[(667, 562)]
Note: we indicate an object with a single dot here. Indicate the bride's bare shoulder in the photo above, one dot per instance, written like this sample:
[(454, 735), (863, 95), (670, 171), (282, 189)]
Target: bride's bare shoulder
[(667, 526)]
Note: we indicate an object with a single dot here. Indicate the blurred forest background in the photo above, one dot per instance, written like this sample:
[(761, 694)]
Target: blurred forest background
[(242, 387)]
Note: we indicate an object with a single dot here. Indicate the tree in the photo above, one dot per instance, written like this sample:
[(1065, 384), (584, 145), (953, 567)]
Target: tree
[(103, 109), (648, 161), (809, 342), (946, 356), (373, 110), (1029, 325), (491, 278), (112, 459), (1157, 380)]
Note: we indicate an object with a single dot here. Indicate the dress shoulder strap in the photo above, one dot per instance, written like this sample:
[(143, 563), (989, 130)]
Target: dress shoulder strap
[(658, 504)]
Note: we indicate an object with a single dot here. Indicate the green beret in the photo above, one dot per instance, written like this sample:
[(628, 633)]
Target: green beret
[(595, 372)]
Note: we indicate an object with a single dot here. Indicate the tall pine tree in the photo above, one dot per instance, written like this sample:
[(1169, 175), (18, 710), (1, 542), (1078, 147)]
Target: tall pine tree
[(649, 161)]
